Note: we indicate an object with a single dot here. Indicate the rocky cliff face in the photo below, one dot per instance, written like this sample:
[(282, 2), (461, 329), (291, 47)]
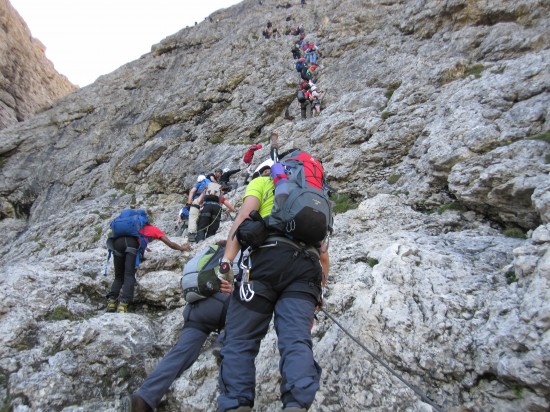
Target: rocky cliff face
[(434, 122), (28, 80)]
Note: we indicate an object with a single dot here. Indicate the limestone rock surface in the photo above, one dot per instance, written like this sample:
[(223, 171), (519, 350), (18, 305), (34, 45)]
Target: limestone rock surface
[(28, 80), (435, 125)]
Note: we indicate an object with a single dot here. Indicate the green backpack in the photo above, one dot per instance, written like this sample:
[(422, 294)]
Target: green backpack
[(200, 278)]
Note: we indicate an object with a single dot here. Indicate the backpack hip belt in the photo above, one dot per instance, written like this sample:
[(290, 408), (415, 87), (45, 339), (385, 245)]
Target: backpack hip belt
[(129, 249), (296, 245)]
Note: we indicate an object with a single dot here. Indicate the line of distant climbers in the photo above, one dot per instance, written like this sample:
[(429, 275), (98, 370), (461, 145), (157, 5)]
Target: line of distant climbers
[(307, 55)]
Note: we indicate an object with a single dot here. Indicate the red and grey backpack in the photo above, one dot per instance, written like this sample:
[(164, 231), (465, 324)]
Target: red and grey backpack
[(306, 213)]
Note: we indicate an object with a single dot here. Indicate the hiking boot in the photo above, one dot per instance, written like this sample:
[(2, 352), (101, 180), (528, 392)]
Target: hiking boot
[(192, 237), (122, 307), (111, 305), (240, 409), (294, 409), (134, 403)]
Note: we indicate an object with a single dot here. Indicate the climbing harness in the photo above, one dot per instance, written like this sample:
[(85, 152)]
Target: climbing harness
[(421, 394), (112, 251), (216, 218)]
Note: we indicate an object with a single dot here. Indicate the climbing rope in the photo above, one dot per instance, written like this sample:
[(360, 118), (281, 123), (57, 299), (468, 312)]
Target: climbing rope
[(218, 215), (421, 394)]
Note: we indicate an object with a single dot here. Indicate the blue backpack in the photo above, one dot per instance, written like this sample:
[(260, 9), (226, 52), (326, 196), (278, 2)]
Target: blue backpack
[(203, 184), (128, 223), (299, 66), (184, 213)]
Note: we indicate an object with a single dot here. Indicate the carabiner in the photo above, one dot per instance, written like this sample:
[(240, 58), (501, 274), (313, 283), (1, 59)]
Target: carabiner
[(245, 291)]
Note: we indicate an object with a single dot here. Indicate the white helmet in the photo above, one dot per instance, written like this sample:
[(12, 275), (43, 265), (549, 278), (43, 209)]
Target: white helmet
[(200, 178), (262, 166)]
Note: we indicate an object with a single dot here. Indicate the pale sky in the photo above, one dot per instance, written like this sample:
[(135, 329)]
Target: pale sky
[(85, 39)]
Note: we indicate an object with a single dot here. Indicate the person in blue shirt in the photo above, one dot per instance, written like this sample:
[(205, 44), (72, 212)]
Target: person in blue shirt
[(193, 204)]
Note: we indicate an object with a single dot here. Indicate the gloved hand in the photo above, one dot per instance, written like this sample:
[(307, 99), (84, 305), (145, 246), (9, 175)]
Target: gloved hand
[(225, 271), (278, 173)]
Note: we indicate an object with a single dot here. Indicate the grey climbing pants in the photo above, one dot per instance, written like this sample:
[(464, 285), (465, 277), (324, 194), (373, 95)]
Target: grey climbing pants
[(287, 284), (201, 318)]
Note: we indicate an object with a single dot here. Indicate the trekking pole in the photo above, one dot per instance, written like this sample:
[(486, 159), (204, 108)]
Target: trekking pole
[(106, 267), (421, 394)]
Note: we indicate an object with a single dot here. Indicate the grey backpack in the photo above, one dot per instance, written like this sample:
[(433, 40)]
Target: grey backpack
[(306, 213), (200, 279)]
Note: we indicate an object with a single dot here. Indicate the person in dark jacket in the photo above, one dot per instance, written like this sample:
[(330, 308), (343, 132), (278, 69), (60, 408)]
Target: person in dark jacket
[(216, 176), (305, 105), (211, 201), (201, 318), (227, 186), (296, 53)]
